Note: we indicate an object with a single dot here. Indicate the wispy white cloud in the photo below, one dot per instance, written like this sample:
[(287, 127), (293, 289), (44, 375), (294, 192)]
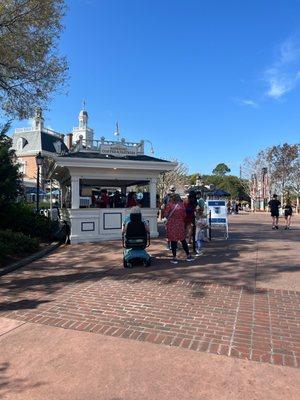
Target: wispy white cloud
[(247, 102), (284, 74)]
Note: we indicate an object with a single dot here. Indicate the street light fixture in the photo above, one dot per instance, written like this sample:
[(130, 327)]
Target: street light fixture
[(39, 161)]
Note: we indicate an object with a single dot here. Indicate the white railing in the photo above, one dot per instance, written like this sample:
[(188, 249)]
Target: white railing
[(33, 129), (51, 132), (28, 129), (110, 147)]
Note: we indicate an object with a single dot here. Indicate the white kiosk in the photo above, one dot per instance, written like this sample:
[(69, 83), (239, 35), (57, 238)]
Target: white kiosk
[(217, 214), (105, 164)]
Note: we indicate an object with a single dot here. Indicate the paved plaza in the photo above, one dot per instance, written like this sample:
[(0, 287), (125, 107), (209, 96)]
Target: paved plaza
[(76, 324)]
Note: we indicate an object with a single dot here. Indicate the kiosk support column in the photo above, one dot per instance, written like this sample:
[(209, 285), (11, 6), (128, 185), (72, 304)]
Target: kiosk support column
[(75, 192), (153, 182)]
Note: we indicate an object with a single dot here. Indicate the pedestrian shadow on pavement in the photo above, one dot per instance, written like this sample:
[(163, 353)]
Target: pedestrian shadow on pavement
[(9, 384), (21, 304)]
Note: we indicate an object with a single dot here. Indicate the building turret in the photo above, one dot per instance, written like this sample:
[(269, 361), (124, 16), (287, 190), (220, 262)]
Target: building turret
[(83, 119), (38, 120), (83, 130)]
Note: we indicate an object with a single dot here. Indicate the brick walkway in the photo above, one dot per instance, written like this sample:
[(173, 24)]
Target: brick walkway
[(235, 320)]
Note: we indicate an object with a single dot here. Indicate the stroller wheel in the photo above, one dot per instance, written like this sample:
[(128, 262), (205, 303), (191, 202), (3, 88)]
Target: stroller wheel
[(124, 263), (148, 263), (129, 265)]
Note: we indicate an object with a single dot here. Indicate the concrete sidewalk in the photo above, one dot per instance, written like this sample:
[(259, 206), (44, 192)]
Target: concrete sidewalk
[(42, 362), (182, 332)]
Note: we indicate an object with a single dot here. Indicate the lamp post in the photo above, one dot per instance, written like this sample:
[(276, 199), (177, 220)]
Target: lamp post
[(39, 161)]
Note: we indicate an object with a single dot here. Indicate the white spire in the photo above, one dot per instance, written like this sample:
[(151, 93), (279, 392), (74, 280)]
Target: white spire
[(83, 116), (117, 132), (83, 129), (38, 119)]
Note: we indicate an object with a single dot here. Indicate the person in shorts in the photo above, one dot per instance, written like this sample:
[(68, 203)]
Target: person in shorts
[(274, 205), (288, 212)]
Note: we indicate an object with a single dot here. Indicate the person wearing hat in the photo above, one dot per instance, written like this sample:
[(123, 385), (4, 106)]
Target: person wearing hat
[(166, 199)]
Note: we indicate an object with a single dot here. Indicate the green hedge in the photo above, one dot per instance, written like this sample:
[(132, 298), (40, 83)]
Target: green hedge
[(20, 217), (16, 243)]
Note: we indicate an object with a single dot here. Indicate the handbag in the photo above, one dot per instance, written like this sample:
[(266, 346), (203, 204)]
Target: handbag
[(166, 219)]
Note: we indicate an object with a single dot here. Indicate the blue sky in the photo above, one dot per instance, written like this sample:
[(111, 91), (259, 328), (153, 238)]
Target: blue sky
[(205, 81)]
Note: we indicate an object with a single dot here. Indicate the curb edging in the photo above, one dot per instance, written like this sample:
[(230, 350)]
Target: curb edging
[(29, 259)]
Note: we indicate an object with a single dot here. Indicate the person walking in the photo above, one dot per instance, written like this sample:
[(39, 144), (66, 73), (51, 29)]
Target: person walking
[(274, 205), (288, 212), (175, 214)]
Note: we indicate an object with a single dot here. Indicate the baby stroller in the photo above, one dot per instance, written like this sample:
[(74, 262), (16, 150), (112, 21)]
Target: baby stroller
[(135, 240)]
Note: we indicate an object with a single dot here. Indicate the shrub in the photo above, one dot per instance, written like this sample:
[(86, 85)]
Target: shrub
[(45, 204), (16, 243), (20, 217)]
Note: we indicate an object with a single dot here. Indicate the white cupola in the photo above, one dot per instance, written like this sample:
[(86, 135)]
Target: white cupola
[(82, 131), (83, 119)]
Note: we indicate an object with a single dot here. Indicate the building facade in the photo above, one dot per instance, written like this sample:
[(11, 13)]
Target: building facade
[(29, 141)]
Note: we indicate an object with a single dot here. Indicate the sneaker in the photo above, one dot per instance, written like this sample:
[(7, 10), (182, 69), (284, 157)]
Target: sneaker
[(168, 247), (276, 226), (189, 258), (174, 261), (199, 253), (273, 227), (286, 228)]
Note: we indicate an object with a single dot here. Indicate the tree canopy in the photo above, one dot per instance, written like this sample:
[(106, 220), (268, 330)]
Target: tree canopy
[(31, 67), (229, 183), (10, 179), (221, 170)]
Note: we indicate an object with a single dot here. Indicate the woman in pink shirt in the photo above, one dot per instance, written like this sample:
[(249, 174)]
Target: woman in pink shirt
[(175, 214)]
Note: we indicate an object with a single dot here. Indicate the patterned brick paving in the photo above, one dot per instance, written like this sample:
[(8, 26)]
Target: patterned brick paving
[(83, 287), (260, 325)]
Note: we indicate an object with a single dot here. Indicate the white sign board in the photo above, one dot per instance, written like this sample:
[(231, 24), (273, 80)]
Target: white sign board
[(217, 211)]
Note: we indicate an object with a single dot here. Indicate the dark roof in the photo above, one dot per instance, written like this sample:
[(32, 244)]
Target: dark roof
[(53, 144), (218, 192), (97, 155)]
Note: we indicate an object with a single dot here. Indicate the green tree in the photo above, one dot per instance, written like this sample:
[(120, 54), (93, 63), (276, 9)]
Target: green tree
[(230, 183), (221, 170), (192, 178), (30, 65), (10, 179)]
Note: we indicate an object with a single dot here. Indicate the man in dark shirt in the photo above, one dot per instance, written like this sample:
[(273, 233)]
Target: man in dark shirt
[(274, 205)]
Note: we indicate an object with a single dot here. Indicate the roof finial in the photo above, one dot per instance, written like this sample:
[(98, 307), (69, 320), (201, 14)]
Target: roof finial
[(117, 133), (83, 105)]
